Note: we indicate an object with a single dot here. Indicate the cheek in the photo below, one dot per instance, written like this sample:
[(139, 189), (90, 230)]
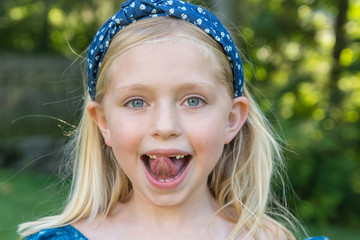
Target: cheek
[(125, 135), (207, 137)]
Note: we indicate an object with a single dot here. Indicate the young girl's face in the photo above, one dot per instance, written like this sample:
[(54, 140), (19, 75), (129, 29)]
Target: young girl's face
[(167, 117)]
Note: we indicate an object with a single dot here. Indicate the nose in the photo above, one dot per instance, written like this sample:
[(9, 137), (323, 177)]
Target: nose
[(165, 122)]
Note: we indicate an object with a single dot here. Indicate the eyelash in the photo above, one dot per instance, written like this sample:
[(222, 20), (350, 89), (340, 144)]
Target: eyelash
[(130, 102), (201, 102)]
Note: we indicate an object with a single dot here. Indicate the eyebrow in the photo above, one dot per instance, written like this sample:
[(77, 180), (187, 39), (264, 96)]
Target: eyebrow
[(132, 87), (138, 87), (196, 86)]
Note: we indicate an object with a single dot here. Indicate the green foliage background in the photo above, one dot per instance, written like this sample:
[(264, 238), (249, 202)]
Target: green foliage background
[(303, 59)]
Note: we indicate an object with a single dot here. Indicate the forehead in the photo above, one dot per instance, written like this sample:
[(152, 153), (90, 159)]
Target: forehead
[(178, 60), (171, 40), (161, 55)]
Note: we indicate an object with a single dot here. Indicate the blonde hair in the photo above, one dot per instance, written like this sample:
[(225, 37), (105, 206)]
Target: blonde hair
[(240, 181)]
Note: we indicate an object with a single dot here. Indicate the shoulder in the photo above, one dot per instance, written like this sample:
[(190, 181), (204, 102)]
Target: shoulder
[(272, 230), (67, 232)]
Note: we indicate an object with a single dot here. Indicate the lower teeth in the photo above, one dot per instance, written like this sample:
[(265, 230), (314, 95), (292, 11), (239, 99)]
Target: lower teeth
[(165, 180), (170, 179)]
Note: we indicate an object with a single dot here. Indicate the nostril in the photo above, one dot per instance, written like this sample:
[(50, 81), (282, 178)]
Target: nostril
[(166, 122), (166, 131)]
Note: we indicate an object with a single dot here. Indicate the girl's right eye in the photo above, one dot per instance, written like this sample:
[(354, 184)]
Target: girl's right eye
[(136, 103)]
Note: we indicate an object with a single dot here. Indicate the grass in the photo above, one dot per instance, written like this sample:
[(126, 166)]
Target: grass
[(27, 196)]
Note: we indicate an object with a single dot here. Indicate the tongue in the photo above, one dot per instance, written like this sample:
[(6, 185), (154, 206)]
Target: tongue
[(165, 168)]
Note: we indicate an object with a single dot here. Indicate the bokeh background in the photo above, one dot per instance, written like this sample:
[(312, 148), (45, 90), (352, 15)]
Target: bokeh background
[(302, 61)]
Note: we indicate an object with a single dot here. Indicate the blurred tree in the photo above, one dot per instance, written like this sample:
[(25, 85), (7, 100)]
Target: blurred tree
[(51, 26), (305, 58), (305, 55)]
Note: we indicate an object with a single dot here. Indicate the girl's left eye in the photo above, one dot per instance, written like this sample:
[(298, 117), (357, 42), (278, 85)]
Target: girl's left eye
[(194, 102)]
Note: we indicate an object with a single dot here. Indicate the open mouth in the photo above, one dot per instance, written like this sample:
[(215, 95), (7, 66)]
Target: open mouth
[(166, 168)]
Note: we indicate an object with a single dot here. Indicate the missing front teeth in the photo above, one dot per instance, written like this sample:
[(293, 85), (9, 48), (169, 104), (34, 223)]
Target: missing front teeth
[(171, 156)]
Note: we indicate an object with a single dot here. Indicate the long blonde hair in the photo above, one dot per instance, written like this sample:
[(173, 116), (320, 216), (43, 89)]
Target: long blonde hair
[(240, 181)]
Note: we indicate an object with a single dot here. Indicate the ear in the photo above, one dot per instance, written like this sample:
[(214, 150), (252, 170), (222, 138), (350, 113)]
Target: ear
[(237, 117), (97, 114)]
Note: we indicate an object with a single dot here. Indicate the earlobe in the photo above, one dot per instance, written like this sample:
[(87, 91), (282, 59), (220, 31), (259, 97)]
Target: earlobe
[(97, 115), (237, 117)]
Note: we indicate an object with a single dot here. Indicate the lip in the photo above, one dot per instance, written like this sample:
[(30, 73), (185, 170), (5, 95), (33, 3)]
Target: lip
[(166, 152)]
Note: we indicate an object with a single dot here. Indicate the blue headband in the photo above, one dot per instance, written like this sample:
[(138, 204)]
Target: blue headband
[(134, 10)]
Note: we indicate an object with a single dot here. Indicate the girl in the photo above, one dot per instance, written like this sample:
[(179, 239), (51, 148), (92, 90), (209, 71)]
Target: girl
[(170, 144)]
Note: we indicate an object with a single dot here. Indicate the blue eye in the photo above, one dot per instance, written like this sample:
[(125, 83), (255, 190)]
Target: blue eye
[(194, 102), (136, 103)]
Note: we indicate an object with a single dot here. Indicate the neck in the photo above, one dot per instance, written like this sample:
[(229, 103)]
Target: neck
[(191, 218), (194, 211)]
